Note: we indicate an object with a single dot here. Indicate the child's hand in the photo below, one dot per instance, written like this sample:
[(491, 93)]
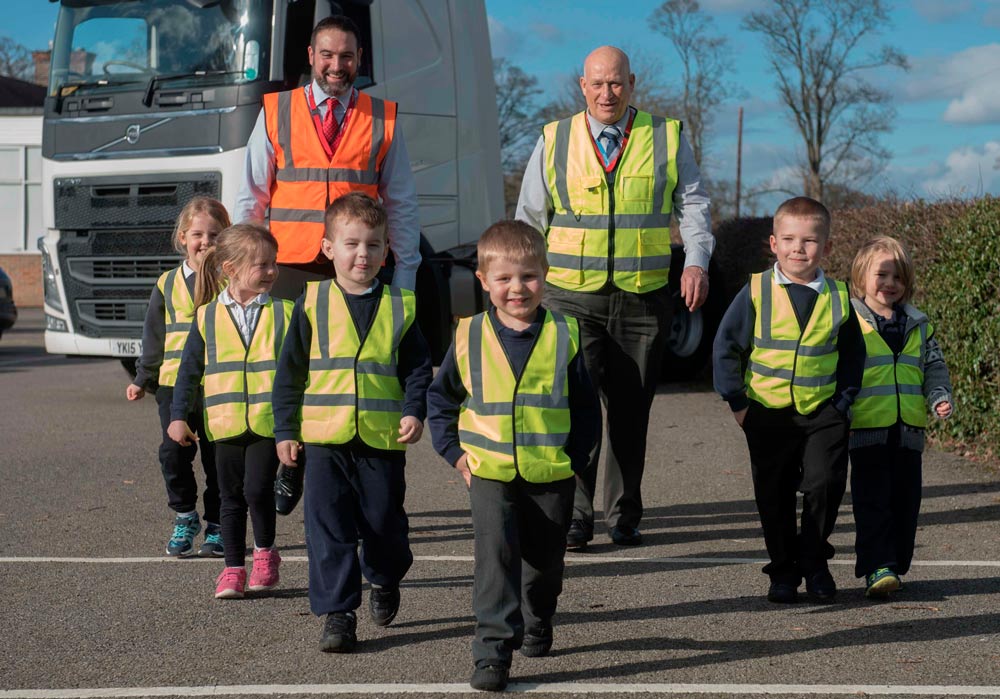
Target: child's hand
[(943, 409), (133, 392), (179, 431), (410, 430), (740, 416), (288, 452), (462, 466)]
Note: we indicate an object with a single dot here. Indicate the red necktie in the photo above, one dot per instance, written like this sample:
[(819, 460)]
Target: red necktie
[(330, 125)]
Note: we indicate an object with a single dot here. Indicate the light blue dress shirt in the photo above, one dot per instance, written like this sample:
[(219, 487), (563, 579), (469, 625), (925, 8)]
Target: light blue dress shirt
[(246, 317)]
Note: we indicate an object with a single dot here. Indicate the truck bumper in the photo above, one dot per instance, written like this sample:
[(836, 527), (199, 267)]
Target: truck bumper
[(68, 343)]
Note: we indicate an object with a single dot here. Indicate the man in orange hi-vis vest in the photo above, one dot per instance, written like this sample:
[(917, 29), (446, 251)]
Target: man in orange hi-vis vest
[(314, 143)]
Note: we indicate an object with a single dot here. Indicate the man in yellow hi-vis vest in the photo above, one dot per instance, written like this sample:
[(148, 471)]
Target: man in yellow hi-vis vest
[(602, 186)]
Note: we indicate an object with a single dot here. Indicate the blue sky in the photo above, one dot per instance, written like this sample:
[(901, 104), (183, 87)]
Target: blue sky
[(947, 130)]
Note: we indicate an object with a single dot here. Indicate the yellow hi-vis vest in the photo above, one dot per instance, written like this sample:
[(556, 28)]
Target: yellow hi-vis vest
[(618, 232), (353, 387), (893, 386), (239, 378), (508, 425), (788, 365), (178, 307)]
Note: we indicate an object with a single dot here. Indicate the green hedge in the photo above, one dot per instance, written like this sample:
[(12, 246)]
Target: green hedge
[(955, 247)]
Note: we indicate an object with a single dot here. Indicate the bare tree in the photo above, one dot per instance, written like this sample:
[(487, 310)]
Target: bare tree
[(15, 60), (814, 47), (705, 60), (516, 91)]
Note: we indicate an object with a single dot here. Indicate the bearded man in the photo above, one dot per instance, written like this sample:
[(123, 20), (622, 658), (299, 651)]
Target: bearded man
[(315, 143)]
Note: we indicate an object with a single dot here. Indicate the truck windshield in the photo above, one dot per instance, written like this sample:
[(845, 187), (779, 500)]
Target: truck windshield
[(104, 44)]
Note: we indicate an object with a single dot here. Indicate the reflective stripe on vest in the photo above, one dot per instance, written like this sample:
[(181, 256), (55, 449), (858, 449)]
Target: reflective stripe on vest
[(178, 308), (893, 386), (510, 425), (238, 378), (306, 179), (788, 365), (353, 387), (579, 245)]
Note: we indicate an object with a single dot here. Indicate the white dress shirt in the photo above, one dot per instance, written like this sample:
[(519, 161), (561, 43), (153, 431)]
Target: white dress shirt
[(246, 317)]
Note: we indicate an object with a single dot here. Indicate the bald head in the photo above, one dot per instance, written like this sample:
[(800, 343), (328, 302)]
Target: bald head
[(607, 83)]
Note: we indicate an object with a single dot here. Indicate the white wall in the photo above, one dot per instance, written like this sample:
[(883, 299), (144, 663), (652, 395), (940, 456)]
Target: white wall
[(20, 182)]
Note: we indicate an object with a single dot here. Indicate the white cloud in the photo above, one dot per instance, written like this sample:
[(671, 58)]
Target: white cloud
[(939, 11), (735, 6), (503, 40), (992, 16), (968, 171), (549, 33), (968, 79)]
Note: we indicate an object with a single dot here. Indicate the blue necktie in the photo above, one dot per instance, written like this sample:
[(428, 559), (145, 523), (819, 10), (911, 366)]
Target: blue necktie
[(610, 139)]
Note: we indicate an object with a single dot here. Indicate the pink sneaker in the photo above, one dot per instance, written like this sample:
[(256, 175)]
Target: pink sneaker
[(231, 583), (264, 575)]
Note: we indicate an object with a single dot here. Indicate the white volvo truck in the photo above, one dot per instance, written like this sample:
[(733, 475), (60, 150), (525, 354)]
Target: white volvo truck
[(151, 102)]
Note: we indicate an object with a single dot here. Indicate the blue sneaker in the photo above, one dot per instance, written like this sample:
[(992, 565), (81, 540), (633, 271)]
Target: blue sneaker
[(882, 583), (186, 528), (213, 541)]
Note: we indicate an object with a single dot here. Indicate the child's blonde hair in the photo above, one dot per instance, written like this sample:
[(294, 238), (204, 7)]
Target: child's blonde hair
[(212, 208), (355, 206), (863, 262), (239, 245), (804, 207), (514, 241)]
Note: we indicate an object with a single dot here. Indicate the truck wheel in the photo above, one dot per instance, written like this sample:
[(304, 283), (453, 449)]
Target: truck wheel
[(690, 337), (128, 363)]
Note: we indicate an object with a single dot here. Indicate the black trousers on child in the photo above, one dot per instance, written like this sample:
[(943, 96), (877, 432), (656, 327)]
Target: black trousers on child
[(789, 453), (177, 462), (520, 543), (247, 467), (352, 490), (885, 492)]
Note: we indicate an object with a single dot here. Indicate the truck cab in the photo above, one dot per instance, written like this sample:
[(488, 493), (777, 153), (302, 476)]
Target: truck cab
[(151, 103)]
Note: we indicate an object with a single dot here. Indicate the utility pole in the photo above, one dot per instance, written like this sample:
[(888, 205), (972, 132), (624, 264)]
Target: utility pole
[(739, 159)]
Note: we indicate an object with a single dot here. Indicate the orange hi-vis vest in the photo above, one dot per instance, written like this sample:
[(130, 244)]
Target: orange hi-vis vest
[(307, 179)]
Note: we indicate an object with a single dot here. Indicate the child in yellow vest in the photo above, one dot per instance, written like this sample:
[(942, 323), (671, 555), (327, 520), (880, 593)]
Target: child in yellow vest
[(904, 372), (351, 388), (232, 349), (788, 358), (512, 408), (168, 319)]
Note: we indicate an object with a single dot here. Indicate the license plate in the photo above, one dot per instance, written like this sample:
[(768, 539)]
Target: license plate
[(126, 348)]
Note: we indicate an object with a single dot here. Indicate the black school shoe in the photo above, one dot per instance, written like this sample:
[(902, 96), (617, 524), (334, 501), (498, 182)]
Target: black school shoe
[(287, 489), (383, 603), (623, 535), (339, 633), (579, 535), (782, 593), (820, 586), (490, 678), (537, 641)]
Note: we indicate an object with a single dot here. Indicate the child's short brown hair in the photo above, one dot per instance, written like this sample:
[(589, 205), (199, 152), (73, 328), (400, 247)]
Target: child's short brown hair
[(804, 207), (355, 206), (863, 262), (511, 240)]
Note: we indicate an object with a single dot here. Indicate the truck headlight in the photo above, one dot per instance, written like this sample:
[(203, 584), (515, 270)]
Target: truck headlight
[(49, 286)]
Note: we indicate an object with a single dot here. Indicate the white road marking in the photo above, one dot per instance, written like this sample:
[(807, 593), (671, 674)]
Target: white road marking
[(719, 560), (571, 688)]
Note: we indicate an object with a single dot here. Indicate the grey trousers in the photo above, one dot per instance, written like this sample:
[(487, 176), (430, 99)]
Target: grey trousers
[(520, 541), (624, 336)]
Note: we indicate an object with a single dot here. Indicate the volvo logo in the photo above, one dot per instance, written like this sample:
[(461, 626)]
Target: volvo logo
[(132, 133)]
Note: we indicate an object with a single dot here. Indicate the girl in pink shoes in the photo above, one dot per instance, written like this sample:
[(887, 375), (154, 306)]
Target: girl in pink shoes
[(233, 348)]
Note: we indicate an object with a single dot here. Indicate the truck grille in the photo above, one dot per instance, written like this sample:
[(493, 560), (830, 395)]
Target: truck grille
[(112, 312), (111, 270)]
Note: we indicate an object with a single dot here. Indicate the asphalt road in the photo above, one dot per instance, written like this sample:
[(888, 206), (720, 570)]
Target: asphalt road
[(89, 607)]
